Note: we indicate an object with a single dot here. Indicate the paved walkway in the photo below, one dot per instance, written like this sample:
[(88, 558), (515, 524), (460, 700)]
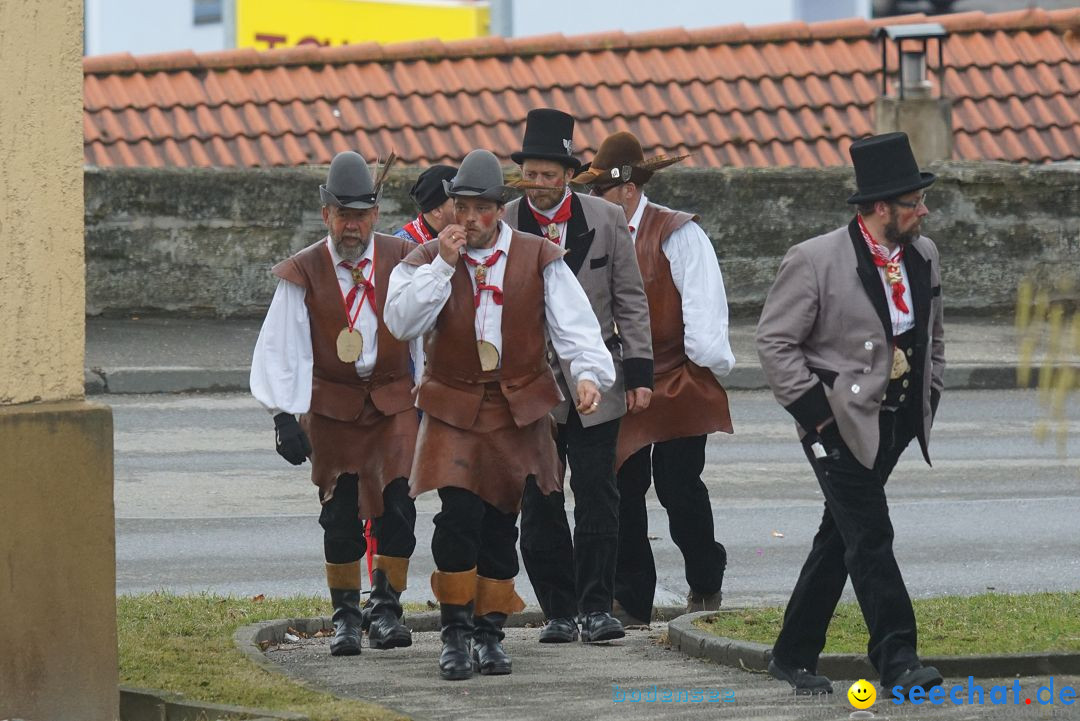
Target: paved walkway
[(575, 682)]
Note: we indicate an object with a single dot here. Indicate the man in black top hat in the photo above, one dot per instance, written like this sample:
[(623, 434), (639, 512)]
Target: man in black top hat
[(851, 342), (436, 207), (576, 580)]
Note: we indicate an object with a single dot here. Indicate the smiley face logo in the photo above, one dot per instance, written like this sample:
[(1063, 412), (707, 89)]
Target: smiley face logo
[(862, 694)]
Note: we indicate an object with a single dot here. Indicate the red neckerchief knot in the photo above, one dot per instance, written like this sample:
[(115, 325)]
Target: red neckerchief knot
[(892, 267), (480, 270), (359, 281), (550, 226)]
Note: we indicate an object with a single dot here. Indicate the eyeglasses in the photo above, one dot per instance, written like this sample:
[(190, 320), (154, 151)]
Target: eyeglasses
[(912, 205)]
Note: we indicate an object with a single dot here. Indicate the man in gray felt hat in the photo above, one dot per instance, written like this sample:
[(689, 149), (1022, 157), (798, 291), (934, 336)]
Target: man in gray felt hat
[(486, 297), (325, 354)]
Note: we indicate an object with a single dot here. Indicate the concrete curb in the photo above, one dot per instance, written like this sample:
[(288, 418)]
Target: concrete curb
[(160, 379), (183, 379), (749, 656), (149, 704)]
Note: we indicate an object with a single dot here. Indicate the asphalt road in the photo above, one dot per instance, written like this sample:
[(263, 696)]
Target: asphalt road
[(204, 503)]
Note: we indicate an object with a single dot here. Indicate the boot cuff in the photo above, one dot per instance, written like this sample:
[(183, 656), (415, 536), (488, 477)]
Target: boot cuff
[(344, 576), (456, 589), (396, 570), (496, 596)]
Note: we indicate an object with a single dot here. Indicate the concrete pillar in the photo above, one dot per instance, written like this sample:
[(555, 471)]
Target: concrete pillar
[(927, 121), (57, 547)]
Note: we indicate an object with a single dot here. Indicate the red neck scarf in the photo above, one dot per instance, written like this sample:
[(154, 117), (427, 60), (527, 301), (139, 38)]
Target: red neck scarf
[(480, 270), (892, 267), (550, 226), (359, 281), (419, 230)]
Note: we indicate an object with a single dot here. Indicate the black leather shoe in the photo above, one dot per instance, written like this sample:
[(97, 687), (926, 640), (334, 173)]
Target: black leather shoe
[(600, 626), (925, 676), (802, 680), (346, 618), (559, 630)]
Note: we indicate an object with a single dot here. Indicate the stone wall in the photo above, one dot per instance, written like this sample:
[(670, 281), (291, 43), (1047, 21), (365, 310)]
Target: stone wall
[(202, 241)]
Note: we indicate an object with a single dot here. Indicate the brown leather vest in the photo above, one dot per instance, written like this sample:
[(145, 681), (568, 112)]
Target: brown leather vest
[(336, 391), (453, 385), (665, 303), (687, 399)]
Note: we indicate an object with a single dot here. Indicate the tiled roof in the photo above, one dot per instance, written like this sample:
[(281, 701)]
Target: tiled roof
[(775, 95)]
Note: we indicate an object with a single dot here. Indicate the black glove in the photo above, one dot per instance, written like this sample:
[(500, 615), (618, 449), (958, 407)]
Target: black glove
[(292, 443)]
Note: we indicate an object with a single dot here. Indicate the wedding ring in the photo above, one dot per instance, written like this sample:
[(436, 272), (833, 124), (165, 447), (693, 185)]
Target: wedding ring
[(595, 404)]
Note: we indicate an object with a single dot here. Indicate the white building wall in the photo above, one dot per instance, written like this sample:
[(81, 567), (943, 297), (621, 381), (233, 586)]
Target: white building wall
[(148, 26), (574, 17)]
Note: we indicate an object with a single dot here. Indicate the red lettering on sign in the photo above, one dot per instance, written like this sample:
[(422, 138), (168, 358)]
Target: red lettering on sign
[(270, 40), (274, 40)]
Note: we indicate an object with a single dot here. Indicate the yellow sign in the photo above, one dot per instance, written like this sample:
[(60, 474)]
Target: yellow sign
[(265, 24)]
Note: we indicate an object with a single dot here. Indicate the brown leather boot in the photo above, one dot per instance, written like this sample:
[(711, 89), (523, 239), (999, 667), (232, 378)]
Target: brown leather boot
[(456, 593), (495, 600), (344, 582), (388, 580)]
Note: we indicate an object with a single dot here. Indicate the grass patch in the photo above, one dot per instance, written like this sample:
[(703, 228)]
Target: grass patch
[(951, 626), (184, 644)]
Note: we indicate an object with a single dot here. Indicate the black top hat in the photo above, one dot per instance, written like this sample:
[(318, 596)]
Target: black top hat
[(549, 135), (885, 167), (428, 191)]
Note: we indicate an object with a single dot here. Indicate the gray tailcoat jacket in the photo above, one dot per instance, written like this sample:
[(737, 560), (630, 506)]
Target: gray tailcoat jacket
[(825, 337), (600, 252)]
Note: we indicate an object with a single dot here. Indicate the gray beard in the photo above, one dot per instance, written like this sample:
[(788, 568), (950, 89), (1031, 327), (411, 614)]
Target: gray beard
[(346, 253)]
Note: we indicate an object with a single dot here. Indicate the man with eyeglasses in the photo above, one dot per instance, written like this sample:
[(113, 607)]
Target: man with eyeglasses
[(665, 445), (851, 342), (574, 579)]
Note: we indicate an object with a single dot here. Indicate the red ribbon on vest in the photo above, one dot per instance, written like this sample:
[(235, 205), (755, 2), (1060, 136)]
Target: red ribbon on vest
[(481, 276), (892, 267), (549, 226)]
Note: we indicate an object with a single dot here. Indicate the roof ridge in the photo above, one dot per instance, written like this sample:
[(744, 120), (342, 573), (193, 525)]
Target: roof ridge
[(557, 43)]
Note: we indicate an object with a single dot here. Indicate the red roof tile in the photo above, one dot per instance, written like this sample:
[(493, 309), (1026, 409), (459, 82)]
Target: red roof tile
[(785, 94)]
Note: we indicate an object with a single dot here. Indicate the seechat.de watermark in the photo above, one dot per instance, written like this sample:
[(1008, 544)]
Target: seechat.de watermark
[(973, 693), (665, 694)]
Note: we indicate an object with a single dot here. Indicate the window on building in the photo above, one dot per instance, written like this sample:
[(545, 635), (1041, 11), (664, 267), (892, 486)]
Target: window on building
[(207, 12)]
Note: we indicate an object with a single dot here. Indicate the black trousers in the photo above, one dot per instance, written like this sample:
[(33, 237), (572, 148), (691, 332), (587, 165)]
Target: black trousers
[(572, 577), (343, 529), (675, 467), (469, 532), (855, 539)]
